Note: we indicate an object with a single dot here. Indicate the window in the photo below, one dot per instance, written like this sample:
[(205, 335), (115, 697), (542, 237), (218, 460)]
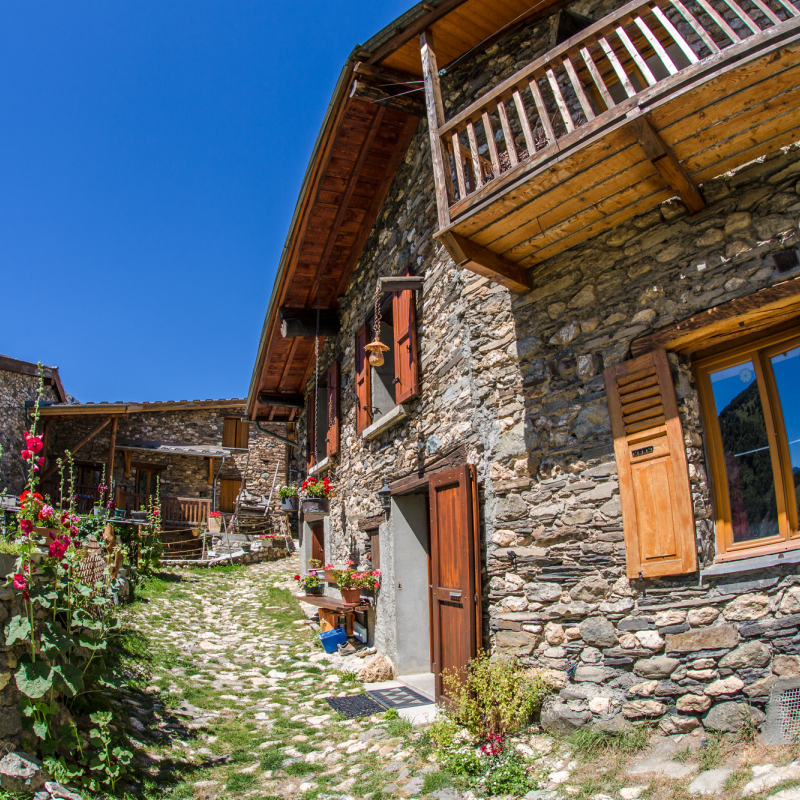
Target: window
[(751, 408), (146, 480), (235, 432), (380, 389)]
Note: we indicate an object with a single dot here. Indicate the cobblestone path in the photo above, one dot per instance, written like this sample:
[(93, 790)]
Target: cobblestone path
[(228, 698)]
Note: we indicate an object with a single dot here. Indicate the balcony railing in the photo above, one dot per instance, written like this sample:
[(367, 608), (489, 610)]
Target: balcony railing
[(189, 512), (642, 51)]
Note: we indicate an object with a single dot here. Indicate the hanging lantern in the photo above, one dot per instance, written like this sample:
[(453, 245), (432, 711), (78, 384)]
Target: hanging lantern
[(376, 349)]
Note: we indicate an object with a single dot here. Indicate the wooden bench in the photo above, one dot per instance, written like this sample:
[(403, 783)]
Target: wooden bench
[(330, 610)]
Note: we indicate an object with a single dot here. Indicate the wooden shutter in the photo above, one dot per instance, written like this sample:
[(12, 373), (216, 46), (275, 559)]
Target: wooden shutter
[(242, 433), (311, 433), (363, 381), (228, 492), (406, 374), (318, 543), (653, 472), (332, 410), (229, 432)]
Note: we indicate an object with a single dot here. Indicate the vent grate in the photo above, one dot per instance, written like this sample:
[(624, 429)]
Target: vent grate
[(789, 714)]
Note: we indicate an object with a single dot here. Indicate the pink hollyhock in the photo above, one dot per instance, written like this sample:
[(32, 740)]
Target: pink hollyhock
[(19, 581), (41, 461), (33, 443), (26, 526), (26, 454)]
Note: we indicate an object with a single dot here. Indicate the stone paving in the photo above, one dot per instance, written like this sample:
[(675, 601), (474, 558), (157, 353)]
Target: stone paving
[(238, 690)]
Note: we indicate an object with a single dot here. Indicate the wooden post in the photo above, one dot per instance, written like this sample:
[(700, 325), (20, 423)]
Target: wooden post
[(435, 110), (210, 471), (127, 456), (45, 439), (111, 447)]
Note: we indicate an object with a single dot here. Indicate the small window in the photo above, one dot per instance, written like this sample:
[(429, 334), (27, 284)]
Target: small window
[(235, 433), (751, 408)]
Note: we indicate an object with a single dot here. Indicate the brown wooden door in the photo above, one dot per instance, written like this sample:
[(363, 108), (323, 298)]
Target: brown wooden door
[(455, 571), (318, 543), (228, 491)]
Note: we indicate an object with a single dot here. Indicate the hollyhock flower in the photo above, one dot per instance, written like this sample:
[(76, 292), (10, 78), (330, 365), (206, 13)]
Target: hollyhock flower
[(19, 581), (26, 526), (34, 443), (41, 461), (26, 454)]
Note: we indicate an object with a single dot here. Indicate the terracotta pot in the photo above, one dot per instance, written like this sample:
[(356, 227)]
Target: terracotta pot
[(49, 534), (314, 507), (329, 576), (351, 597)]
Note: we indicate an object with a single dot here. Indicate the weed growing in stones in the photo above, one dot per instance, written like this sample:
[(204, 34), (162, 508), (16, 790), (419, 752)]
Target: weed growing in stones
[(400, 728), (711, 752), (589, 743), (434, 781), (300, 768)]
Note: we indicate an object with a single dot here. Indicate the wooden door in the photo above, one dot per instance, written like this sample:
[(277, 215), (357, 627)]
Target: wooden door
[(228, 491), (318, 543), (455, 571)]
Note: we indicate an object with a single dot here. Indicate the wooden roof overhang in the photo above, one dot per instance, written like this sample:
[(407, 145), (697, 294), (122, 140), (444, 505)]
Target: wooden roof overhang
[(373, 114)]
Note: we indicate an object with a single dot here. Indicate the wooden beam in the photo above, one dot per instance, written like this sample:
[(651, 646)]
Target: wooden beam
[(418, 479), (210, 471), (400, 283), (732, 320), (476, 258), (127, 456), (667, 164), (400, 98), (442, 179), (112, 443), (45, 441), (282, 400), (86, 439), (303, 322)]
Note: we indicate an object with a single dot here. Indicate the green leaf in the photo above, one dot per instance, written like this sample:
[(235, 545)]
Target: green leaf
[(41, 729), (55, 638), (34, 678), (70, 679), (18, 628), (123, 756), (84, 590)]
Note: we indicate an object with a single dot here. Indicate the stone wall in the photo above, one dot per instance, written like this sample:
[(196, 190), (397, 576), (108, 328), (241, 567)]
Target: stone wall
[(15, 390), (182, 476), (518, 381)]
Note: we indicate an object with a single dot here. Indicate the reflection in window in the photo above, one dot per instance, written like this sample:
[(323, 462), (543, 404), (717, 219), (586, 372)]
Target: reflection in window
[(786, 368), (748, 467)]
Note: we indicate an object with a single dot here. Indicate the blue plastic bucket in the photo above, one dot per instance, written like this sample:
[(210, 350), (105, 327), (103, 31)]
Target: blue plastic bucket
[(332, 639)]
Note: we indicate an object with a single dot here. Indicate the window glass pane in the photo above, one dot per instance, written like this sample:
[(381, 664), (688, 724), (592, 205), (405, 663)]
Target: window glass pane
[(751, 487), (786, 368)]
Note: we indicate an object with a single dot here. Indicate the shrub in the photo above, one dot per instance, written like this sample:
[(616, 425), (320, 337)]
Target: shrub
[(507, 775), (493, 696)]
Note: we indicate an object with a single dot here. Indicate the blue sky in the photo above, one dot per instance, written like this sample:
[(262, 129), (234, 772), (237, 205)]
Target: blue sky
[(151, 154)]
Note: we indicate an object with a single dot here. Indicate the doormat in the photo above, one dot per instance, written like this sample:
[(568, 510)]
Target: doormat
[(399, 697), (355, 705)]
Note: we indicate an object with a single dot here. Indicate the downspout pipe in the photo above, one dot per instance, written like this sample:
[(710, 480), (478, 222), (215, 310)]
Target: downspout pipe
[(276, 436), (214, 488)]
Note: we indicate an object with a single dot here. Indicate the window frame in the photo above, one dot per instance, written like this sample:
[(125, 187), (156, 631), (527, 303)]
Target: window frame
[(759, 351)]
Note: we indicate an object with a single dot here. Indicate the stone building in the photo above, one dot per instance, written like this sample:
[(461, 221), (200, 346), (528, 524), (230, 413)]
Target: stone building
[(19, 384), (200, 453), (584, 249)]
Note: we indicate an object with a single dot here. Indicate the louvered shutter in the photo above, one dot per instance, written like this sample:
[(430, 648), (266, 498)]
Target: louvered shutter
[(653, 472), (311, 438), (363, 380), (332, 410), (406, 373)]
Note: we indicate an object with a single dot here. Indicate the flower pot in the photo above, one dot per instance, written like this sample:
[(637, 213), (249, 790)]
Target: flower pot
[(351, 597), (119, 513), (315, 507), (245, 547), (329, 576), (49, 534), (99, 512), (215, 524), (315, 590), (289, 503)]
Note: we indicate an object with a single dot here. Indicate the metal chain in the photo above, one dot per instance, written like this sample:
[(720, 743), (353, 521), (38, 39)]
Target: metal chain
[(316, 374), (377, 324)]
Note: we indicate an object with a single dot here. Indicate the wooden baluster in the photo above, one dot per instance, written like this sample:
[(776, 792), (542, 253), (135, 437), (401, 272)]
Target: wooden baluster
[(597, 78), (675, 34), (560, 102), (476, 159), (787, 4), (742, 14), (657, 46), (530, 144), (718, 18), (615, 63), (636, 56), (511, 148), (767, 12), (696, 26), (462, 186), (542, 109), (487, 128), (576, 85)]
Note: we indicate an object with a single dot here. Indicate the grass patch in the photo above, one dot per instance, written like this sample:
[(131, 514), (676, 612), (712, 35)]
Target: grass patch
[(590, 743), (271, 759), (298, 768), (239, 782), (399, 728), (436, 780), (711, 752)]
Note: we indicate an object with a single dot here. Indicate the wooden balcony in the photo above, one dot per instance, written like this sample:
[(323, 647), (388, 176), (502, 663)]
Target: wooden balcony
[(646, 103), (176, 512)]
